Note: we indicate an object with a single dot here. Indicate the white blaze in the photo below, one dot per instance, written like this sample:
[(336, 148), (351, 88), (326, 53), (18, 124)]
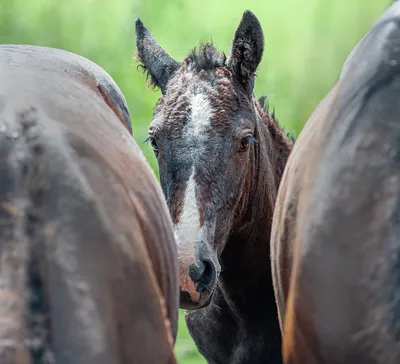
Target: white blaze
[(200, 119), (189, 222)]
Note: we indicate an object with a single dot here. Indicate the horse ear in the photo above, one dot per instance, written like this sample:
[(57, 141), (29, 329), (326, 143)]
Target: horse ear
[(247, 50), (159, 65)]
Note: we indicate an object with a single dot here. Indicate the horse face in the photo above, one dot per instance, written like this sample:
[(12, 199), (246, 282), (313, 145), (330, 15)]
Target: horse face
[(203, 134)]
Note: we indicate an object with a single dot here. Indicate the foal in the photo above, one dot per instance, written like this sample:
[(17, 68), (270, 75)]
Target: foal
[(221, 157)]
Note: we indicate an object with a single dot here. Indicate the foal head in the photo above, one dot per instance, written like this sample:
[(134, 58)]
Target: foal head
[(204, 134)]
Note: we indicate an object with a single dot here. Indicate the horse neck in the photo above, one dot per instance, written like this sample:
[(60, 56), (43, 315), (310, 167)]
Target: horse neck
[(246, 279)]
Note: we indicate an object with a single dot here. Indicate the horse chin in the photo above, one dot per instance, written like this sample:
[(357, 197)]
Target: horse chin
[(187, 304)]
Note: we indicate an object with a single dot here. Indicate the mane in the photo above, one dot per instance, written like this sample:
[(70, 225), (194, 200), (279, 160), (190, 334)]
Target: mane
[(283, 140), (271, 116), (264, 176), (206, 57)]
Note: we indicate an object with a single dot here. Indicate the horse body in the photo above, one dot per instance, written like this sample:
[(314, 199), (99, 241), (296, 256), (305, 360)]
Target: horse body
[(300, 168), (334, 241), (221, 157), (88, 262)]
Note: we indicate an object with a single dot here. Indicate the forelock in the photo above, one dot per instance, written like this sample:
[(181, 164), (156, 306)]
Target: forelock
[(202, 89), (205, 57)]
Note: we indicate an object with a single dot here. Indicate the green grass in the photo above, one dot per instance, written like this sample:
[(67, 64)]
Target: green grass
[(185, 349), (307, 42)]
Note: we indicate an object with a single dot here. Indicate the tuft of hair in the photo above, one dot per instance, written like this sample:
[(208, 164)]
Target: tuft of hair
[(206, 57), (264, 103), (142, 69)]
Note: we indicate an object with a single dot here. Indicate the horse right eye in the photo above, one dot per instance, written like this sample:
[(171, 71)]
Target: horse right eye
[(244, 144), (153, 143)]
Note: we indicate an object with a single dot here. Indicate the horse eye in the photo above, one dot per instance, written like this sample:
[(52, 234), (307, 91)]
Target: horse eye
[(153, 143), (244, 145)]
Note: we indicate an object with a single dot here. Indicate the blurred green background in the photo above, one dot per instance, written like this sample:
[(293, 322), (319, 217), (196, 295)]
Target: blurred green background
[(307, 42)]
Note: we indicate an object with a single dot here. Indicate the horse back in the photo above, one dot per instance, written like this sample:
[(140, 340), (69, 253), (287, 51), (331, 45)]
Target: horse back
[(342, 303)]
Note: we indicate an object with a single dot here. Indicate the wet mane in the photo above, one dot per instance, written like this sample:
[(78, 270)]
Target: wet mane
[(269, 116)]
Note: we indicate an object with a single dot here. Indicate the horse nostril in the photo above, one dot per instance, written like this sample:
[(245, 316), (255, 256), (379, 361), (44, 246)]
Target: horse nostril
[(204, 274), (208, 277), (196, 272)]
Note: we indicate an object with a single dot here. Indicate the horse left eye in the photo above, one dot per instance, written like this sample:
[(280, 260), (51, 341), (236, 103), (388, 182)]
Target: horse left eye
[(245, 143)]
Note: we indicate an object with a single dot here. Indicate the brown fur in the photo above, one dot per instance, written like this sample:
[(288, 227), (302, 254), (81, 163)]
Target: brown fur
[(88, 265), (334, 241)]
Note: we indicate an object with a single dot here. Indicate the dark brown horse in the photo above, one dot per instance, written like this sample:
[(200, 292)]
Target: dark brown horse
[(335, 236), (87, 253), (220, 156)]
